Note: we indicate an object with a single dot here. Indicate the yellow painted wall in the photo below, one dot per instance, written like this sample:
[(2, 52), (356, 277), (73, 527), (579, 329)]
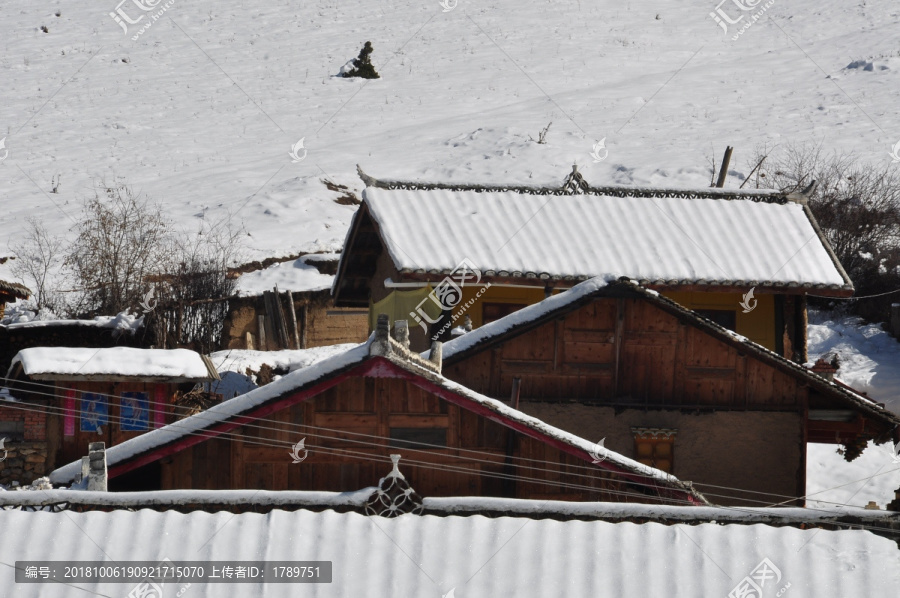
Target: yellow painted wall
[(495, 294), (758, 325)]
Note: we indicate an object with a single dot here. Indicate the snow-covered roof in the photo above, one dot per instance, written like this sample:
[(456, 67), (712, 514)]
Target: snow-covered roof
[(223, 417), (299, 275), (122, 322), (113, 363), (460, 557), (654, 236), (15, 289), (533, 315)]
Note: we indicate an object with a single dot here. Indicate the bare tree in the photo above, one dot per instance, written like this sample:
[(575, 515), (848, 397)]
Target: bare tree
[(122, 240), (37, 257), (856, 204), (196, 287)]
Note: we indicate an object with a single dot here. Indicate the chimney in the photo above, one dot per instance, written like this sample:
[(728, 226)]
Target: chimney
[(894, 505), (395, 346), (437, 354), (381, 344), (824, 369), (401, 333), (96, 479)]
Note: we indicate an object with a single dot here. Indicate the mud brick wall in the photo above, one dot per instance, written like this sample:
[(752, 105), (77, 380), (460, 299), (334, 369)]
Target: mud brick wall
[(325, 324)]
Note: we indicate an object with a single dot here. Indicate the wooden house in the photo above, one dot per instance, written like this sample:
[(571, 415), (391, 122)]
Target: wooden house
[(745, 259), (669, 388), (70, 397), (288, 305), (331, 427), (11, 292)]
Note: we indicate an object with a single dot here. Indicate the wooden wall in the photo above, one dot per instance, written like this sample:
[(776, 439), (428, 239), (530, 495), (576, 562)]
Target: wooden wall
[(339, 461), (627, 352), (73, 447)]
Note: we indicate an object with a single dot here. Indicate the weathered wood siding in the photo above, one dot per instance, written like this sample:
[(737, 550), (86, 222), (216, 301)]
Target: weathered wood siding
[(74, 447), (627, 352), (348, 427)]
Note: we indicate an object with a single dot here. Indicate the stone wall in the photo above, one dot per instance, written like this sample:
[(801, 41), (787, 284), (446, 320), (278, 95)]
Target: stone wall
[(24, 463), (26, 454)]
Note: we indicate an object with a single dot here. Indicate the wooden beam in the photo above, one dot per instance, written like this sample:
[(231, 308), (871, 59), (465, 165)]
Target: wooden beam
[(293, 311), (620, 328), (560, 283), (723, 171)]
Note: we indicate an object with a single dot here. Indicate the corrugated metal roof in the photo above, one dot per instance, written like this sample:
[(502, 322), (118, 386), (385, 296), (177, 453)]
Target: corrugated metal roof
[(428, 556), (654, 240)]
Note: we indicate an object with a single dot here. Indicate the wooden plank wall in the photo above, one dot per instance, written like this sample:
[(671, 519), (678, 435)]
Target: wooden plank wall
[(628, 352), (340, 461), (74, 447)]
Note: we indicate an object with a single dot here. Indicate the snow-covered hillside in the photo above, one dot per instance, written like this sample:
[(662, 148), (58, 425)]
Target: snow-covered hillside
[(202, 109)]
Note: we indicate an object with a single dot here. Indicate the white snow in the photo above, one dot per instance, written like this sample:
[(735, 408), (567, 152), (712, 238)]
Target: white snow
[(26, 318), (869, 362), (869, 356), (232, 365), (202, 116), (238, 360), (655, 239), (57, 362), (462, 557), (296, 276)]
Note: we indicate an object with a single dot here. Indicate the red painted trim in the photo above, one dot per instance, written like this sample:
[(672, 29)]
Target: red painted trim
[(379, 367), (160, 394), (69, 417)]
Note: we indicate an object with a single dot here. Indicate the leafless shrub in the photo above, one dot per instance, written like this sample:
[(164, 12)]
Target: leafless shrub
[(37, 257), (193, 294), (542, 134), (856, 204), (122, 241)]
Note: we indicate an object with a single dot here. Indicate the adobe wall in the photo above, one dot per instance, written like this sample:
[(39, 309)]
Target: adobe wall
[(757, 450)]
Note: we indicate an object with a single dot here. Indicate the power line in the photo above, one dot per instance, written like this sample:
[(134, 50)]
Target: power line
[(272, 443), (664, 499), (282, 425), (237, 437)]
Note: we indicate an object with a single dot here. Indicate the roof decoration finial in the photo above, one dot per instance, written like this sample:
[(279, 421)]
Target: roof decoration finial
[(575, 183)]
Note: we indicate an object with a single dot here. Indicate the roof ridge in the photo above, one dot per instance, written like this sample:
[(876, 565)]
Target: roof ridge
[(574, 184)]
